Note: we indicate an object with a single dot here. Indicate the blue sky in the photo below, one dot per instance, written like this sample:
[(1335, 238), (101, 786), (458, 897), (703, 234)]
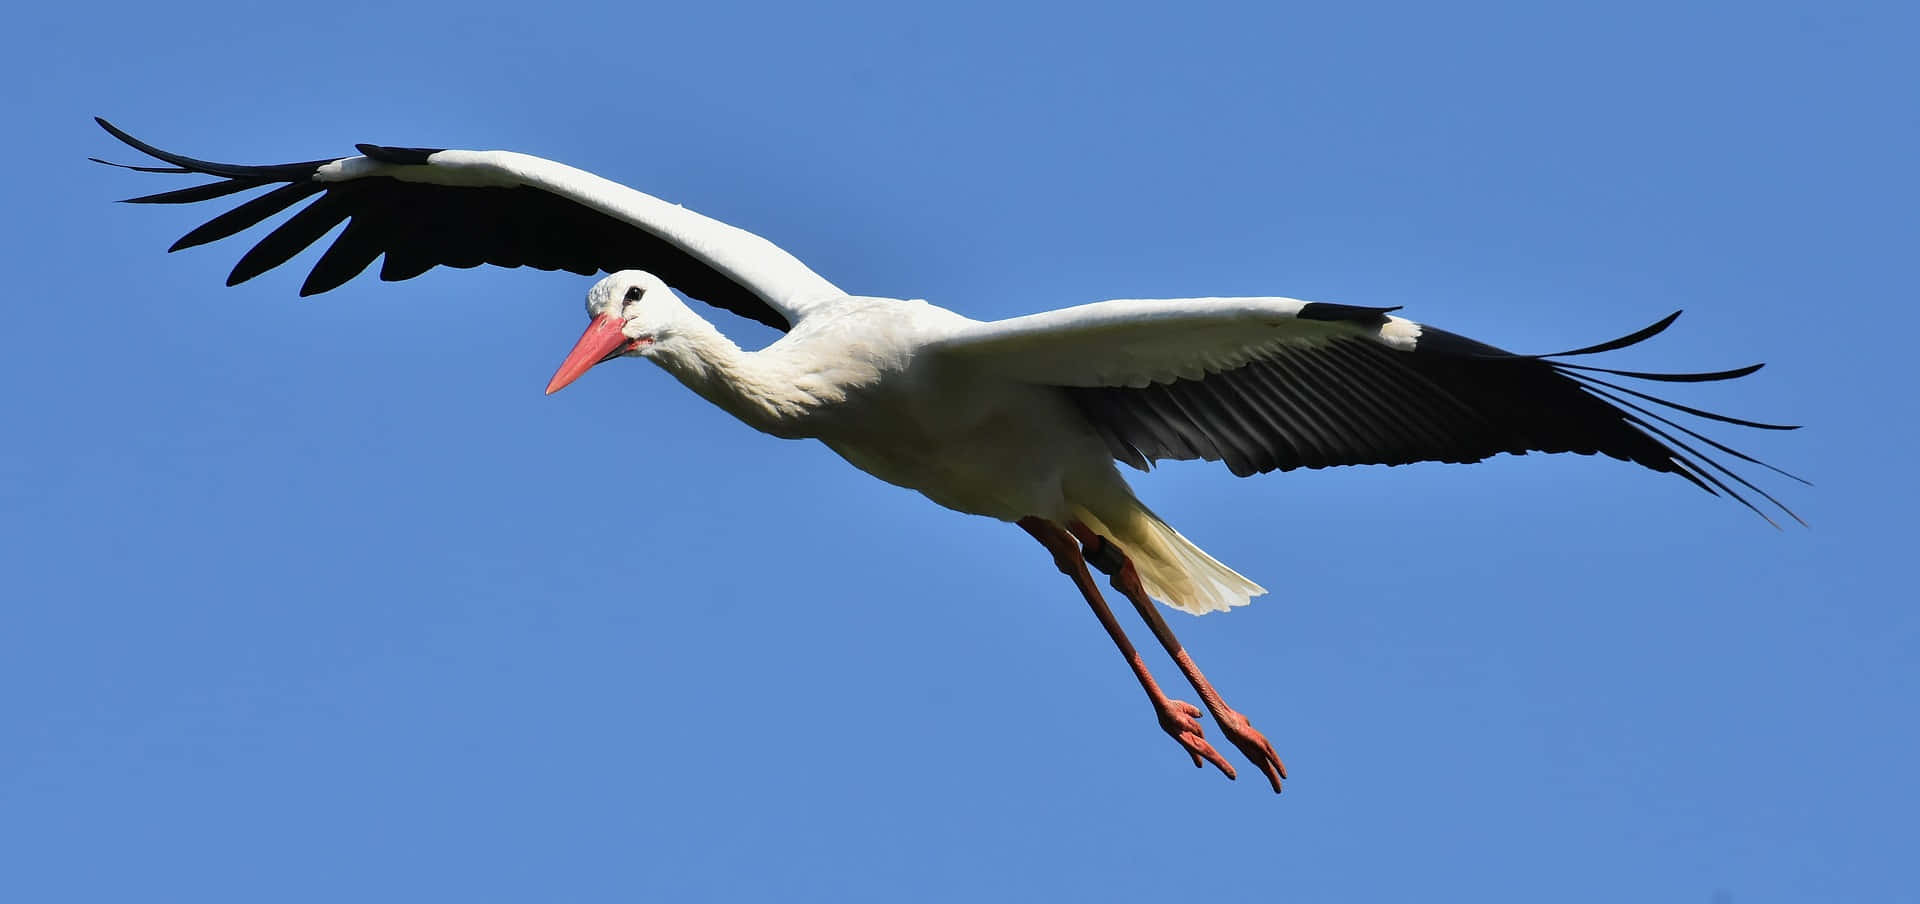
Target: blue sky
[(322, 600)]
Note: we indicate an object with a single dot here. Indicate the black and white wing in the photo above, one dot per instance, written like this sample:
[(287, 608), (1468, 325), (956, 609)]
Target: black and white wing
[(1267, 384), (420, 208)]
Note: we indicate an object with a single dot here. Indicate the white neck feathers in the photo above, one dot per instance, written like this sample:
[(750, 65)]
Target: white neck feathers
[(756, 387)]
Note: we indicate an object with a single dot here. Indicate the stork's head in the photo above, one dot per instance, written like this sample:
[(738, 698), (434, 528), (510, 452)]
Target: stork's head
[(628, 308)]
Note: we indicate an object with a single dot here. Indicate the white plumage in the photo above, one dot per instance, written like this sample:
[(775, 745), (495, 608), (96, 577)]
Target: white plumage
[(1023, 419)]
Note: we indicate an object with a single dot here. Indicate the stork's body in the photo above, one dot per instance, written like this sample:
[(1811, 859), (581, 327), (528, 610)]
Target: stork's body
[(852, 374), (869, 378), (1020, 420)]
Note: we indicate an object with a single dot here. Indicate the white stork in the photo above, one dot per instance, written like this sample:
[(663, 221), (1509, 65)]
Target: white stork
[(1020, 419)]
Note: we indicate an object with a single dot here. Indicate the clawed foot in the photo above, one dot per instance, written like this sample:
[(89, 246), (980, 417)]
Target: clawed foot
[(1181, 721), (1252, 743)]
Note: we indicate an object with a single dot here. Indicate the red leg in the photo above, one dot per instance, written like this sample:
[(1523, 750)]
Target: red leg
[(1235, 726), (1178, 718)]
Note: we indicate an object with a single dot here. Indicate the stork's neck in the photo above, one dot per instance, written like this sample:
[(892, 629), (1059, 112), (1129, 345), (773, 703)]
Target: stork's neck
[(752, 386)]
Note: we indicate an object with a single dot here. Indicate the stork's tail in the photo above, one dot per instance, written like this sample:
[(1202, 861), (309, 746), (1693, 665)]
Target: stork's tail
[(1175, 571)]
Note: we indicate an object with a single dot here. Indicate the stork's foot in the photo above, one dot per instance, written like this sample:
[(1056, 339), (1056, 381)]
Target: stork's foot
[(1181, 721), (1251, 743)]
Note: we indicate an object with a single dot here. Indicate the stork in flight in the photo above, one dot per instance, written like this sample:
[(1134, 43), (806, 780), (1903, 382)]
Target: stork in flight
[(1020, 419)]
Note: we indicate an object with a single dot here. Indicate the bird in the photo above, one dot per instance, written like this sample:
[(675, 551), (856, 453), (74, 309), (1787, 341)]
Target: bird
[(1024, 420)]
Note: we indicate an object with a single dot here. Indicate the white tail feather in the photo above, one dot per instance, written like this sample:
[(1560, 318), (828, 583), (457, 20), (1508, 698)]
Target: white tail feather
[(1172, 568)]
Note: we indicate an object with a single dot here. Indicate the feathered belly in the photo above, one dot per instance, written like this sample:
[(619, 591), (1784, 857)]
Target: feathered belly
[(1005, 458)]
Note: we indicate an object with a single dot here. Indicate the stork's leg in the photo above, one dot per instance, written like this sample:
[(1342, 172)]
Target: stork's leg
[(1178, 718), (1108, 557)]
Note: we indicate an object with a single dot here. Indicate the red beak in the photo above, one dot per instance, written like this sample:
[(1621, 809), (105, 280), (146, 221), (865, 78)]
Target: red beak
[(601, 341)]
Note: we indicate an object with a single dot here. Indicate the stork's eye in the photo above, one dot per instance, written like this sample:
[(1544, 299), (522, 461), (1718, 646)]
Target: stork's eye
[(634, 293)]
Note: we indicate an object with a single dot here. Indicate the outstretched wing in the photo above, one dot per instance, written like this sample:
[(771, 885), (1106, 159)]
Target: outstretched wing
[(421, 208), (1269, 384)]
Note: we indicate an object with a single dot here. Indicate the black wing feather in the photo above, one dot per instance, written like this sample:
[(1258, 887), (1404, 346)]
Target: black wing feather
[(290, 238), (205, 192), (358, 245), (248, 215)]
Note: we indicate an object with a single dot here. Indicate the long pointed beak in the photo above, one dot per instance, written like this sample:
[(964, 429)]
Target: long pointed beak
[(601, 341)]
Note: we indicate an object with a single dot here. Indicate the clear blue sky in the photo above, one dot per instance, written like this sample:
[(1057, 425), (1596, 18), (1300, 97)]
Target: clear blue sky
[(322, 601)]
